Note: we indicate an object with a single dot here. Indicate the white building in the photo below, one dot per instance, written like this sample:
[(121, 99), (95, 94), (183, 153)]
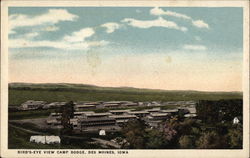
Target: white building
[(236, 120), (31, 105)]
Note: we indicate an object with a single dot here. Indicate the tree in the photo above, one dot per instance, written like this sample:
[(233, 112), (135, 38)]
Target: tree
[(208, 111), (235, 137), (134, 131), (211, 140), (187, 142), (170, 133), (67, 111), (155, 139)]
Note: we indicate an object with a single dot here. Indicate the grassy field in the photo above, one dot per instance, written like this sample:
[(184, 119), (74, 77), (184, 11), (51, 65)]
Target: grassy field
[(30, 114), (20, 92)]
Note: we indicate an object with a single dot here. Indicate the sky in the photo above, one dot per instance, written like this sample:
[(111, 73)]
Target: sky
[(171, 48)]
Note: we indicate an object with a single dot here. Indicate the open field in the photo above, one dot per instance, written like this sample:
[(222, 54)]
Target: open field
[(20, 92)]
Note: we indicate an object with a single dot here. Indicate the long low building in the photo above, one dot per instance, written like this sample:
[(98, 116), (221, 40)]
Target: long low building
[(97, 124), (139, 114), (84, 107), (96, 115), (32, 105), (121, 119), (119, 112), (158, 116), (53, 105)]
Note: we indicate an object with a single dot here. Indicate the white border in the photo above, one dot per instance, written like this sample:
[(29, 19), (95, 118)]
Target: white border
[(244, 153)]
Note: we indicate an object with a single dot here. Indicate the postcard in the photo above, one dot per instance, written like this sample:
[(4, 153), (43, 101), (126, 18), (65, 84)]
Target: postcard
[(125, 79)]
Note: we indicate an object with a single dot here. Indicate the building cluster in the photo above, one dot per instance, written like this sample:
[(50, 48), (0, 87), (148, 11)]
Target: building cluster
[(81, 105), (113, 120)]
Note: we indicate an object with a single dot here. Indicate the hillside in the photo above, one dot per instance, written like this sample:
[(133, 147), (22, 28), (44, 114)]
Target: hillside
[(21, 92)]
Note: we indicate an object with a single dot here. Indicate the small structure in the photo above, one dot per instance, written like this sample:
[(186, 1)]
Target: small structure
[(32, 105), (158, 116), (96, 115), (139, 114), (52, 140), (192, 110), (55, 115), (45, 139), (92, 103), (114, 105), (74, 123), (121, 119), (102, 132), (54, 105), (172, 111), (53, 121), (155, 103), (81, 114), (37, 139), (153, 110), (190, 115), (129, 104), (97, 124), (84, 107), (236, 120), (119, 112)]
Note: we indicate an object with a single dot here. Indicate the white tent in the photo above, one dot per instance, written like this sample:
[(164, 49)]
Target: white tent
[(45, 139)]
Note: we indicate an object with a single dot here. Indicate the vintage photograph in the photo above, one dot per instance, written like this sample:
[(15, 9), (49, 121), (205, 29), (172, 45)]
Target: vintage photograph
[(125, 77)]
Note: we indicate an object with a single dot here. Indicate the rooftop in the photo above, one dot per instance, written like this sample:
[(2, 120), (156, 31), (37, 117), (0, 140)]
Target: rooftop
[(190, 115), (84, 112), (170, 110), (96, 119), (159, 114), (98, 114), (139, 112), (123, 116), (79, 106), (128, 110)]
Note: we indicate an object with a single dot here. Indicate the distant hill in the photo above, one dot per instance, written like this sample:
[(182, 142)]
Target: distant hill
[(20, 92)]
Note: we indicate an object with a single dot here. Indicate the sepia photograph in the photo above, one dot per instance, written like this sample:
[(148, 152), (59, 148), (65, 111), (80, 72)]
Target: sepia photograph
[(104, 79)]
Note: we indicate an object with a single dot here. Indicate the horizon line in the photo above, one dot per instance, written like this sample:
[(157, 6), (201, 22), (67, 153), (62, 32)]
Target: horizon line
[(124, 87)]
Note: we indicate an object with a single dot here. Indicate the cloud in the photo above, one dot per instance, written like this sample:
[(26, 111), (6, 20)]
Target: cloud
[(31, 35), (194, 47), (158, 11), (160, 22), (50, 28), (111, 27), (80, 36), (200, 24), (197, 23), (197, 38), (138, 11), (24, 43), (51, 17)]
